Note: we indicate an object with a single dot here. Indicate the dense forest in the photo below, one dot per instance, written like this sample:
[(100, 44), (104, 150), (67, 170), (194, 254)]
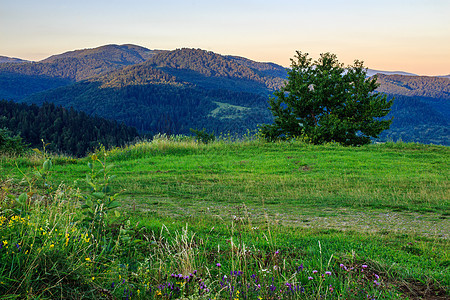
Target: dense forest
[(165, 108), (66, 130), (415, 119), (174, 91)]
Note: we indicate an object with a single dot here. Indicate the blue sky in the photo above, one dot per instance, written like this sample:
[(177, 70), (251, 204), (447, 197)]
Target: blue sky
[(407, 35)]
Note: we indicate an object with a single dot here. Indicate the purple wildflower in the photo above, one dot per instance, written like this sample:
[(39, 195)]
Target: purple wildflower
[(364, 266), (327, 273), (315, 271), (310, 278), (218, 265)]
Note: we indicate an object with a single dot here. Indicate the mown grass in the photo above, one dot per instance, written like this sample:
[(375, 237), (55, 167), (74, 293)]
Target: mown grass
[(232, 220)]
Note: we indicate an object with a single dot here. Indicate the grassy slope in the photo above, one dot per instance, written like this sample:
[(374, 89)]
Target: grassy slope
[(387, 203)]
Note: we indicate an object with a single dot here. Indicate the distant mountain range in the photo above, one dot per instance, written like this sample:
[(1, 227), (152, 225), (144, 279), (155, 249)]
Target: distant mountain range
[(173, 91), (5, 59)]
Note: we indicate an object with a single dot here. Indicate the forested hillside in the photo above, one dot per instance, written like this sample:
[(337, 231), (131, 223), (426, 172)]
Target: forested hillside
[(421, 109), (174, 91), (66, 130), (422, 86), (204, 68)]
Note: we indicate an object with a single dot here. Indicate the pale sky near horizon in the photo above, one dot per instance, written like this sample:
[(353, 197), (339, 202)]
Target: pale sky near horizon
[(389, 35)]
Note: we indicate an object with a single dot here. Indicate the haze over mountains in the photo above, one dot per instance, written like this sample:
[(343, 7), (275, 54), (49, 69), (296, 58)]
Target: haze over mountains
[(173, 91)]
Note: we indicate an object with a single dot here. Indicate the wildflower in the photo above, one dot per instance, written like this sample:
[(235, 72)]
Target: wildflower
[(218, 265), (327, 273), (331, 288), (376, 282), (93, 278), (315, 271), (364, 266), (300, 268), (310, 278), (52, 246), (87, 259), (5, 242)]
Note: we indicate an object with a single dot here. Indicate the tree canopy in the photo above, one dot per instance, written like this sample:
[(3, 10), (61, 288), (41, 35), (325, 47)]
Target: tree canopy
[(322, 102)]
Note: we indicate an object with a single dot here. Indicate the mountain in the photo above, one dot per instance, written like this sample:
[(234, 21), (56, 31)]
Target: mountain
[(371, 72), (5, 59), (421, 109), (81, 64), (423, 86), (210, 70), (173, 91), (18, 80)]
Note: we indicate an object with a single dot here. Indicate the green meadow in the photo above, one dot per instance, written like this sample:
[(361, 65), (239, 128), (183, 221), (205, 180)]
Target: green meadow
[(172, 218)]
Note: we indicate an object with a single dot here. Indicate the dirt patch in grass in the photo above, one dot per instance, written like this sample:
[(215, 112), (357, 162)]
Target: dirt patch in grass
[(420, 290), (427, 224)]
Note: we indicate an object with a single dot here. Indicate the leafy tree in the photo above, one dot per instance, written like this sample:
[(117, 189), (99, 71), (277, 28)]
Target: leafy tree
[(323, 102), (10, 144), (203, 136)]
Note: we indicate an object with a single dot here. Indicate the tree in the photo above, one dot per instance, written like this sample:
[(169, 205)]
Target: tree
[(323, 102)]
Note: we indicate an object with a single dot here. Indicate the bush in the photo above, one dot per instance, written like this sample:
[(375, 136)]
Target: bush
[(11, 144)]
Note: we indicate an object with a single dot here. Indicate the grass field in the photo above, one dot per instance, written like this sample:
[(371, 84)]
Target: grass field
[(229, 220)]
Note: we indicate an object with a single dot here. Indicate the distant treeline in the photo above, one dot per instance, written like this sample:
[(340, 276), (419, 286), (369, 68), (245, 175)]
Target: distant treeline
[(67, 130)]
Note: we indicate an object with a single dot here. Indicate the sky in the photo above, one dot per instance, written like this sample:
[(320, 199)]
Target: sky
[(389, 35)]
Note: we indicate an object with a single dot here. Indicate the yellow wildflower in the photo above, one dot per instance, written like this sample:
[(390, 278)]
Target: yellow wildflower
[(87, 259), (51, 246)]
